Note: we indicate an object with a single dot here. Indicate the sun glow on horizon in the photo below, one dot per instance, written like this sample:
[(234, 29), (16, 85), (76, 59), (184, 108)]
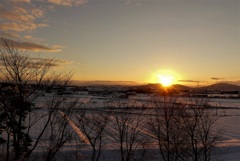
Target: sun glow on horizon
[(165, 77), (166, 80)]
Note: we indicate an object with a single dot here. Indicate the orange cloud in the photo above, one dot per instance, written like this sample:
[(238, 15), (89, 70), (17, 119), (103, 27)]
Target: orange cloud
[(26, 1), (37, 62), (53, 62), (20, 27), (30, 46), (35, 47), (17, 14), (68, 2), (20, 17), (37, 12), (9, 35)]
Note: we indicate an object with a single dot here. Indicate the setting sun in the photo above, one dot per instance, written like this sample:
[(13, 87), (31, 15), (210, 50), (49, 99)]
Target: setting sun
[(166, 80), (165, 77)]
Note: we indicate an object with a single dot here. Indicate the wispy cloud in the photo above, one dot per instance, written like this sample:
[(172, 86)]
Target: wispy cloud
[(19, 18), (26, 1), (37, 12), (35, 47), (38, 62), (9, 35), (216, 78), (18, 14), (31, 46), (188, 81), (68, 2), (53, 62), (20, 27), (31, 39)]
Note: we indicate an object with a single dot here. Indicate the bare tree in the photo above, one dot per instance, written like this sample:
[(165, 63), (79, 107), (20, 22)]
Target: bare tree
[(165, 126), (24, 81), (93, 125), (183, 131), (198, 122), (127, 131), (59, 129)]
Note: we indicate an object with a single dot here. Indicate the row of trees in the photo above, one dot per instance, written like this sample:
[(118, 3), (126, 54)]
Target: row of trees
[(185, 132), (182, 132)]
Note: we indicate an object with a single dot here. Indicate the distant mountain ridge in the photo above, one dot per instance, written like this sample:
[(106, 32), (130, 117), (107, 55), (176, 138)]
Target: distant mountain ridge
[(181, 87), (178, 87), (213, 87), (222, 87), (104, 83)]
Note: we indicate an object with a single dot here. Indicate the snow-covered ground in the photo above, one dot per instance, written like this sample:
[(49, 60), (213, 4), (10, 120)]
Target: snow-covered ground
[(229, 123)]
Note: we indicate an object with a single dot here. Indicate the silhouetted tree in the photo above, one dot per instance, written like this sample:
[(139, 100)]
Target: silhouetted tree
[(93, 125), (184, 131), (26, 80), (165, 126), (126, 123), (198, 122)]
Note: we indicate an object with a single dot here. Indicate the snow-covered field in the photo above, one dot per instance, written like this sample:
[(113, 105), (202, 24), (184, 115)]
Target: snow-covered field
[(229, 123)]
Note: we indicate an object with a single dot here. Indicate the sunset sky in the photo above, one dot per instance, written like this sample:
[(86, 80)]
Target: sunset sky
[(130, 40)]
